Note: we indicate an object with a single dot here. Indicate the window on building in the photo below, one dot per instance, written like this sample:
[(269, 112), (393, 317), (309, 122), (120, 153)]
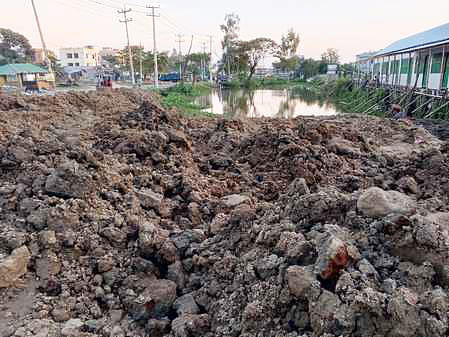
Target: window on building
[(69, 55), (421, 65), (436, 63), (70, 64), (394, 66), (417, 62), (385, 68), (77, 64), (75, 55), (405, 66)]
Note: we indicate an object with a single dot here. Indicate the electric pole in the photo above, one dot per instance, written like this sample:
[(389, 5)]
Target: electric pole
[(141, 65), (156, 71), (210, 60), (125, 21), (44, 46), (203, 70), (180, 40)]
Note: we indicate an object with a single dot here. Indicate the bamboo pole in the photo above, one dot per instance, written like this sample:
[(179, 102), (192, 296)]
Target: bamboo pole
[(404, 97), (364, 103), (366, 112), (421, 106), (436, 110), (369, 101), (385, 98), (410, 103), (358, 100)]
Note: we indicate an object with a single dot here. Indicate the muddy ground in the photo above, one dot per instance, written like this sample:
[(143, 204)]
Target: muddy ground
[(119, 218)]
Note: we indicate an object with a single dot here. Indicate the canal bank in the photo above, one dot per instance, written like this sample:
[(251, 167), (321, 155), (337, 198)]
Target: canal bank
[(355, 96)]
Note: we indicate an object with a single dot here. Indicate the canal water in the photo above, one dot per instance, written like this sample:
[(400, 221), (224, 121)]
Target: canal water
[(277, 103)]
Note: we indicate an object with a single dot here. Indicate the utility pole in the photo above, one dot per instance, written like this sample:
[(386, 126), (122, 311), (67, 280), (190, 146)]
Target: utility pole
[(44, 46), (210, 60), (180, 40), (141, 65), (228, 60), (204, 62), (156, 71), (125, 21)]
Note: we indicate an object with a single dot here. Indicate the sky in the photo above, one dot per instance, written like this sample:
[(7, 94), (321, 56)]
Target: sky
[(350, 26)]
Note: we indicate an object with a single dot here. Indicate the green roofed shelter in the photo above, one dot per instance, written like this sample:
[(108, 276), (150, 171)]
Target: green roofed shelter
[(21, 68), (24, 74)]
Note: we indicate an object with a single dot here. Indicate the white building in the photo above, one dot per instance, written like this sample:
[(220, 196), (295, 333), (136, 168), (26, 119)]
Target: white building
[(421, 61), (332, 69), (88, 56), (364, 62), (107, 51)]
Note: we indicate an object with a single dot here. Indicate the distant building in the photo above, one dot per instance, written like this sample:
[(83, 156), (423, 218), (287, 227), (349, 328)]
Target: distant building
[(332, 70), (88, 56), (106, 51), (419, 60), (38, 56), (263, 72), (364, 61)]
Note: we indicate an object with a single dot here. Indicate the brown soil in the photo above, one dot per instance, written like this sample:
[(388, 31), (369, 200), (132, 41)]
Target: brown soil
[(141, 222)]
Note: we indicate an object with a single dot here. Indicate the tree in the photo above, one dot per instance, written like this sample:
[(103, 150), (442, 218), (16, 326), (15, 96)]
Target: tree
[(289, 45), (122, 60), (288, 60), (230, 29), (14, 47), (196, 60), (330, 56), (255, 50), (288, 64), (148, 62), (311, 67), (53, 60)]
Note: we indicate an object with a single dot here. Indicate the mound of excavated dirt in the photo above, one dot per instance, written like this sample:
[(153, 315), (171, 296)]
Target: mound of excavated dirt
[(119, 218)]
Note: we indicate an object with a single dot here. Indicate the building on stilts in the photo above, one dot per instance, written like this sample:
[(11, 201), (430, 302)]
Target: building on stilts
[(414, 73), (419, 61)]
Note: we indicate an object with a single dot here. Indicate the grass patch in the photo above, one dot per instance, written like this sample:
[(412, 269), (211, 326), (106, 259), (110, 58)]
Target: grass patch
[(182, 96), (347, 97)]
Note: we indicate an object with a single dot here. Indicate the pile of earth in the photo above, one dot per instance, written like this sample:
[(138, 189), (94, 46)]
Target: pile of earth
[(119, 218)]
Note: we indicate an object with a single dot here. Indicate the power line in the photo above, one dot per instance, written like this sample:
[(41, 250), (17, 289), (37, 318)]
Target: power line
[(181, 28), (168, 23), (103, 4), (84, 5), (129, 4)]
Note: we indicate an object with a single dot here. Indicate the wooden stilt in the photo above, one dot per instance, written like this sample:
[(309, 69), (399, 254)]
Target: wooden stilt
[(421, 106), (383, 100), (436, 110)]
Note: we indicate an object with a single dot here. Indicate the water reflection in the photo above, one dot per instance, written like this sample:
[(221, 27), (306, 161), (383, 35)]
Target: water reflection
[(282, 103)]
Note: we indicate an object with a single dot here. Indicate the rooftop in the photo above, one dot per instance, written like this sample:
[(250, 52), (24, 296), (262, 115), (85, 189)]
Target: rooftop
[(21, 68), (435, 35)]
